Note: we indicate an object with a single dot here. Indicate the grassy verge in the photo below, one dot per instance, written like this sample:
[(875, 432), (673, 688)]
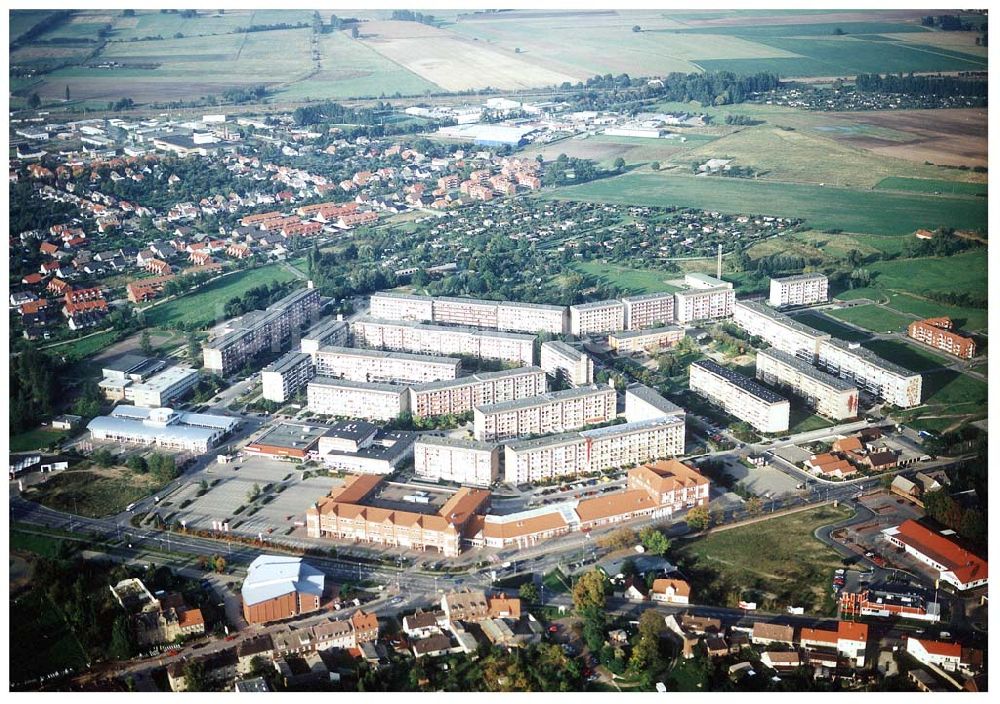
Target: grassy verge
[(35, 439)]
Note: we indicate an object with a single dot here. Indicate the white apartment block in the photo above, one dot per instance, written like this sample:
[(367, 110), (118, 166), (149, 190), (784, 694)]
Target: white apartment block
[(465, 311), (401, 306), (356, 364), (648, 310), (532, 317), (456, 460), (699, 280), (643, 403), (560, 360), (284, 378), (260, 330), (553, 412), (872, 374), (329, 332), (779, 330), (653, 339), (596, 450), (161, 389), (740, 397), (462, 395), (497, 315), (703, 303), (596, 317), (828, 395), (352, 399), (800, 290), (422, 338)]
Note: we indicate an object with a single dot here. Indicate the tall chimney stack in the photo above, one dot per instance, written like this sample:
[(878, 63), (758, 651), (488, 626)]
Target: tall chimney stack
[(718, 266)]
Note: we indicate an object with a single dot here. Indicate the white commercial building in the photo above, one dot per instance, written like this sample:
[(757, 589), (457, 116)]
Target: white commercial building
[(740, 397), (563, 361), (800, 290), (648, 339), (779, 330), (648, 310), (285, 377), (443, 340), (161, 389), (162, 427), (595, 450), (872, 374), (456, 460), (596, 317), (353, 399), (553, 412), (357, 364), (828, 395), (359, 447), (696, 304), (329, 332), (462, 395)]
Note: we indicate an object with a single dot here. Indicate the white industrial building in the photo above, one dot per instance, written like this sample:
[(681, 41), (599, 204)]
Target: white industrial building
[(356, 364), (162, 427), (828, 395), (779, 330), (358, 447), (872, 374), (740, 397), (286, 376), (354, 399), (799, 290), (563, 361), (456, 460), (553, 412)]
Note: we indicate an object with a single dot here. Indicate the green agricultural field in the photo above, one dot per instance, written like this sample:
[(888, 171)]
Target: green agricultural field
[(819, 29), (35, 439), (930, 185), (825, 323), (778, 558), (960, 273), (206, 305), (23, 20), (634, 280), (845, 209), (873, 317), (41, 626), (906, 355)]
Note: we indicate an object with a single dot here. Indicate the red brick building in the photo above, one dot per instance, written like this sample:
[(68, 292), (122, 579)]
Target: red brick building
[(936, 332)]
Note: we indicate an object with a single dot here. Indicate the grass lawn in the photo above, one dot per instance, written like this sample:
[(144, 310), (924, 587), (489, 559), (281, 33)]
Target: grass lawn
[(960, 273), (931, 185), (555, 582), (44, 545), (972, 319), (85, 346), (822, 207), (955, 390), (634, 280), (92, 492), (802, 420), (874, 318), (207, 305), (35, 439), (779, 559), (825, 323), (906, 355), (40, 626)]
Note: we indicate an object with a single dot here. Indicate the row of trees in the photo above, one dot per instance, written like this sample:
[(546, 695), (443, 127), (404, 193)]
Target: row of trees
[(411, 16), (943, 86), (717, 88), (34, 382)]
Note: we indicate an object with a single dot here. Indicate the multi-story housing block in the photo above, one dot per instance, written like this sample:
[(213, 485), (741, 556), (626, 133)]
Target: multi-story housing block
[(553, 412), (509, 316), (596, 317), (329, 332), (357, 364), (648, 310), (643, 403), (799, 290), (563, 361), (465, 311), (872, 374), (284, 378), (456, 460), (696, 304), (443, 340), (779, 330), (740, 397), (463, 394), (633, 341), (401, 306), (353, 399), (936, 332), (826, 394)]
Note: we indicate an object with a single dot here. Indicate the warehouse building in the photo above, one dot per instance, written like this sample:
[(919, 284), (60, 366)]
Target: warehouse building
[(828, 395), (596, 317), (553, 412), (799, 290), (160, 389), (462, 395), (162, 427), (740, 397), (565, 362), (329, 332), (872, 374), (279, 587), (355, 399), (456, 460), (285, 377), (648, 339), (648, 310), (356, 364), (422, 338), (779, 330), (937, 332)]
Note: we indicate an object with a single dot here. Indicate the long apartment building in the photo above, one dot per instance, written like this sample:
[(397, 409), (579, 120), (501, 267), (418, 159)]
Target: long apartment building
[(740, 397), (443, 340), (563, 361), (872, 374), (461, 395), (828, 395), (799, 290), (510, 316), (354, 399), (632, 341), (456, 460), (328, 332), (357, 364), (937, 332), (779, 330), (260, 330), (597, 317), (553, 412), (648, 310), (704, 303), (643, 403), (285, 377)]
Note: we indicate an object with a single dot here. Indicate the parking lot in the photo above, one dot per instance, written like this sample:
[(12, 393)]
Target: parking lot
[(765, 481)]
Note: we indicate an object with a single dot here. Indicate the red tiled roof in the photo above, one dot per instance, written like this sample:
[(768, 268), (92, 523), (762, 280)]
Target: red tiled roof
[(937, 647), (965, 565), (852, 630)]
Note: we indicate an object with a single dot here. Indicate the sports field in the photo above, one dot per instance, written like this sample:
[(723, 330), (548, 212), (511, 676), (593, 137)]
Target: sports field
[(206, 306), (822, 207), (873, 317), (634, 280)]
